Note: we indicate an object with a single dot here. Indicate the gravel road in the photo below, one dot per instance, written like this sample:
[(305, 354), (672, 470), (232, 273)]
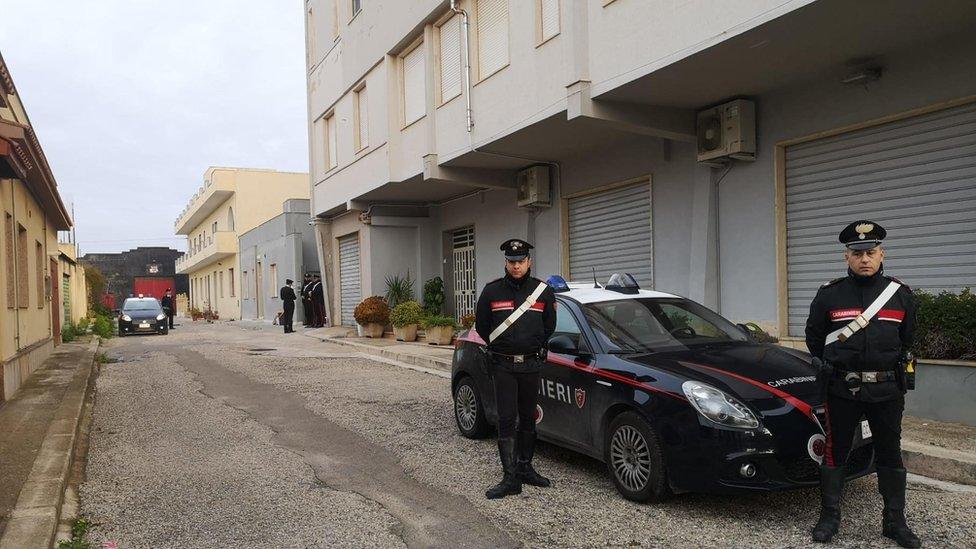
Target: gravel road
[(169, 463)]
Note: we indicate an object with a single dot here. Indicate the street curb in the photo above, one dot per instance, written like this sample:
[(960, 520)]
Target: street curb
[(34, 520), (434, 363), (939, 463)]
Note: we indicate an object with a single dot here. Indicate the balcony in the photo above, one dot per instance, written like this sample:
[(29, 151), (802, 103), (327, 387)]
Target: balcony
[(219, 246), (207, 198)]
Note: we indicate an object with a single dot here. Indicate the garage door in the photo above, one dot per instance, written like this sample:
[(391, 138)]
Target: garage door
[(610, 232), (349, 280), (916, 177)]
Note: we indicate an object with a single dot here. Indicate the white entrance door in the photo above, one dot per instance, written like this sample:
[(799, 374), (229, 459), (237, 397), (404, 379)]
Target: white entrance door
[(350, 286), (465, 295)]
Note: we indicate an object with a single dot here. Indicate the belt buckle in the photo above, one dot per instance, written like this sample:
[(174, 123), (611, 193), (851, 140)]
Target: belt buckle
[(518, 359), (869, 377)]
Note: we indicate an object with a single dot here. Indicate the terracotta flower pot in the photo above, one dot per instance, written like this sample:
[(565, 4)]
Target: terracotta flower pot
[(406, 333), (373, 329), (440, 335)]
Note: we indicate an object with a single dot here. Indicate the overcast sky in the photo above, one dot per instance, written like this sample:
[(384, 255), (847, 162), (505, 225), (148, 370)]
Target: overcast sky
[(132, 100)]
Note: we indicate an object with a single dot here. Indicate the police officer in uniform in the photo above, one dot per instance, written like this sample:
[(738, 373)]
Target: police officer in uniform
[(515, 356), (287, 296), (864, 366), (306, 300)]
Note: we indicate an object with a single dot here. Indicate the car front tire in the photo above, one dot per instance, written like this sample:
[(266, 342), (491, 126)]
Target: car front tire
[(634, 458), (469, 413)]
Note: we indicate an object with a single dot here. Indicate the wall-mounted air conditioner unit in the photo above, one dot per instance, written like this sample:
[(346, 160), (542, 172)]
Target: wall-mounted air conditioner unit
[(727, 131), (533, 187)]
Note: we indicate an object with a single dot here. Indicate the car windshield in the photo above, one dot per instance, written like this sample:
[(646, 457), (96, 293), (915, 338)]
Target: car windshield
[(655, 324), (141, 305)]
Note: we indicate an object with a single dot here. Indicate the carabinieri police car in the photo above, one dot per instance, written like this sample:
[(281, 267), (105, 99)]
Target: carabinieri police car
[(670, 395)]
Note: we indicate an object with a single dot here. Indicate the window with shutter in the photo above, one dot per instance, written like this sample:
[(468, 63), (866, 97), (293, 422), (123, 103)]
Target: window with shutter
[(414, 85), (492, 36), (450, 54), (362, 120), (330, 142), (548, 19)]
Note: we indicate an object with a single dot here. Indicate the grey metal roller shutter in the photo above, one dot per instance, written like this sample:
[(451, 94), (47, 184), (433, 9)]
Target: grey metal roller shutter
[(916, 177), (611, 232), (349, 280)]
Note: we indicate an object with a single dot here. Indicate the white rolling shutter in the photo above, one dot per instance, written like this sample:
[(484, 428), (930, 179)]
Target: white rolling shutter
[(414, 85), (350, 289), (450, 53), (549, 12), (916, 177), (492, 36), (361, 112), (611, 232)]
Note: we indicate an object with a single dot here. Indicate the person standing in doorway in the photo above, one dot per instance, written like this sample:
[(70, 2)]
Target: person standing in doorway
[(516, 315), (169, 306), (307, 301), (318, 302), (287, 296)]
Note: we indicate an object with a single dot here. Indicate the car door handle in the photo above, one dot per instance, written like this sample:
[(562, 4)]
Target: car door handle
[(607, 383)]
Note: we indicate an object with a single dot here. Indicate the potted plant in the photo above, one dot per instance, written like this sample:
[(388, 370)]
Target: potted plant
[(467, 321), (434, 295), (398, 289), (439, 328), (405, 317), (195, 314), (372, 314)]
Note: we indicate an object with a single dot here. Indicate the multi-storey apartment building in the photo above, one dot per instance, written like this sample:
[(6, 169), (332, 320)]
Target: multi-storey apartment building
[(424, 116), (32, 214), (231, 202)]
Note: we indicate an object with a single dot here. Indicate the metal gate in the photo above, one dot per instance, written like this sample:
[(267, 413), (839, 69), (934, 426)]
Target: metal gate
[(915, 176), (610, 232), (66, 299), (465, 291), (350, 286)]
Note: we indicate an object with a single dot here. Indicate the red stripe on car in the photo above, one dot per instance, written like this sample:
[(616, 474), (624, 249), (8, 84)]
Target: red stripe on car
[(577, 365)]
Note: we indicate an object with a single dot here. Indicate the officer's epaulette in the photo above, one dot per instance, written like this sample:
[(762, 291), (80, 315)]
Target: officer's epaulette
[(832, 282), (893, 279)]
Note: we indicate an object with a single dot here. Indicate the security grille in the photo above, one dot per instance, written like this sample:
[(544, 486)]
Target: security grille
[(350, 287), (66, 298), (465, 295), (916, 177), (611, 232)]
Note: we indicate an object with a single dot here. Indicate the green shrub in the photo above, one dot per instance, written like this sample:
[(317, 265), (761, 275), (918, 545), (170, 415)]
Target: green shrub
[(434, 295), (68, 333), (406, 313), (398, 289), (946, 326), (372, 310), (82, 327), (434, 321), (103, 327)]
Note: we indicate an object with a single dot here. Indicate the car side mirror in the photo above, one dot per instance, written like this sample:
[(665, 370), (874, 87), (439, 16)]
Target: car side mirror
[(563, 345), (745, 330)]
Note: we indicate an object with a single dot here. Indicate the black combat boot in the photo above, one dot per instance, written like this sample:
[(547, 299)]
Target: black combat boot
[(510, 484), (831, 488), (891, 484), (526, 449)]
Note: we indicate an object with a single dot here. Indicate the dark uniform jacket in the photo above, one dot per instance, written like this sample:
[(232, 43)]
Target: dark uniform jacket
[(168, 305), (287, 294), (876, 348), (529, 334)]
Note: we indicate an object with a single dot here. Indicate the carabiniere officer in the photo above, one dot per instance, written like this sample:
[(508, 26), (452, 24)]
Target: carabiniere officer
[(861, 326), (516, 316)]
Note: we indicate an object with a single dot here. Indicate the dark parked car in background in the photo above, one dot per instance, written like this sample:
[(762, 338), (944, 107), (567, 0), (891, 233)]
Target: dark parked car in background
[(670, 395), (142, 315)]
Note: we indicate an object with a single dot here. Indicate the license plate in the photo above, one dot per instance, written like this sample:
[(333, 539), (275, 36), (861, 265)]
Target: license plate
[(865, 429), (144, 325)]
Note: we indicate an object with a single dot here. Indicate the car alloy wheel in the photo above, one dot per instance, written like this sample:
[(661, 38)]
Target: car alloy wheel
[(466, 407), (630, 458)]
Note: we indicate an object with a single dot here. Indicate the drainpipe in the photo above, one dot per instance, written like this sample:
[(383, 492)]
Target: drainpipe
[(13, 245), (467, 63)]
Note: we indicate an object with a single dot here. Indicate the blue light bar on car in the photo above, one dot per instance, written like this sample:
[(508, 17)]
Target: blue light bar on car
[(557, 283)]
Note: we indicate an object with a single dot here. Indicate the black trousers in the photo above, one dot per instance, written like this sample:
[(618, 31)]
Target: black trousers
[(307, 309), (170, 315), (515, 397), (288, 315), (844, 416)]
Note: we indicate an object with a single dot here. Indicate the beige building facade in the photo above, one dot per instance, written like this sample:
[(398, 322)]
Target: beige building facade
[(32, 213), (231, 202), (427, 118), (74, 287)]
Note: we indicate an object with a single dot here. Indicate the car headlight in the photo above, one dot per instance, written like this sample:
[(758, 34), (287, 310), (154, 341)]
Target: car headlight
[(719, 407), (160, 316), (127, 318)]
